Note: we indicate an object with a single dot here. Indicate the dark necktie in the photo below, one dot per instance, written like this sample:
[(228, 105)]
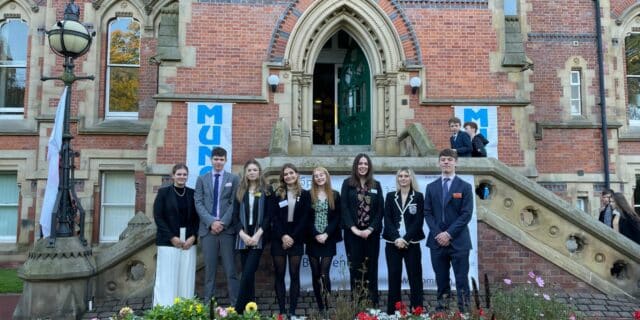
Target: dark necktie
[(215, 195), (445, 190), (445, 193)]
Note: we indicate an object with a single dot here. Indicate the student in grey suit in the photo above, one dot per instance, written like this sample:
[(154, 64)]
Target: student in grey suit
[(214, 196)]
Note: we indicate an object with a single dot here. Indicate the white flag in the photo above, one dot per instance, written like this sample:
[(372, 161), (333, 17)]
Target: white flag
[(53, 158)]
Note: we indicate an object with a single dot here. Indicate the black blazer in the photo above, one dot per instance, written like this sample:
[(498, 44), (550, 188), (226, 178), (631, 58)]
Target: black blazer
[(333, 226), (301, 215), (165, 214), (478, 142), (262, 207), (413, 213), (462, 144), (349, 206)]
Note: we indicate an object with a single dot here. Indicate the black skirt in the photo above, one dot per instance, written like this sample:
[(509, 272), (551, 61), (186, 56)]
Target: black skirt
[(316, 249), (277, 250)]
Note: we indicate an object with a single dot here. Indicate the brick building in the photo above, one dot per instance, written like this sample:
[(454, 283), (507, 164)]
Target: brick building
[(534, 61)]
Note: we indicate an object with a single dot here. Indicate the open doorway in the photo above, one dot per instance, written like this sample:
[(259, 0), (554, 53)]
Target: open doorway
[(341, 94)]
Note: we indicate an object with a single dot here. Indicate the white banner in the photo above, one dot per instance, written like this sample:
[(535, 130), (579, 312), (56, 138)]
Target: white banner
[(339, 268), (487, 120), (53, 158), (208, 126)]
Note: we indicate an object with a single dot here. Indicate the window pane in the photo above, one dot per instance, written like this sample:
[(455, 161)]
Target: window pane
[(13, 42), (124, 42), (12, 87), (575, 107), (510, 8), (575, 92), (114, 221), (8, 224), (633, 91), (8, 207), (632, 51), (8, 189), (119, 188), (123, 89), (575, 77)]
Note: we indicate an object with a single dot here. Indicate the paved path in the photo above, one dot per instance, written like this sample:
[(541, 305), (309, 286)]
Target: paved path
[(593, 306), (8, 303)]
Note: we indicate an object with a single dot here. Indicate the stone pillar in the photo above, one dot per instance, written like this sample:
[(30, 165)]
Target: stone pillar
[(391, 110), (297, 101), (306, 134), (56, 280), (379, 143)]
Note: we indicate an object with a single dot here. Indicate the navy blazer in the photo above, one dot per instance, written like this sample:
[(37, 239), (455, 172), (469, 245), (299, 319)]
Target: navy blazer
[(262, 207), (462, 144), (165, 214), (412, 213), (333, 227), (455, 215), (301, 215), (349, 206)]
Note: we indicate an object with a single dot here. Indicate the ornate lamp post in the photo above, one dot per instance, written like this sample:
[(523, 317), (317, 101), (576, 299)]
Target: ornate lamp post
[(70, 39), (57, 274)]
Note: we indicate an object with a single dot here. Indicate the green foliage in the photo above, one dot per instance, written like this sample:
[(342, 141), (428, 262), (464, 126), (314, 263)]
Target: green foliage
[(528, 301), (9, 281), (193, 309)]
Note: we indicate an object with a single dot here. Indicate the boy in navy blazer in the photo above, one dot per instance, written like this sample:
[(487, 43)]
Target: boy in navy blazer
[(448, 206), (460, 140)]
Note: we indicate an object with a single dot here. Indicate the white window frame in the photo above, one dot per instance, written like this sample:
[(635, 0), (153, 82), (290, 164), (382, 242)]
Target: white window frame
[(15, 112), (5, 238), (632, 122), (582, 203), (117, 114), (103, 205), (576, 111)]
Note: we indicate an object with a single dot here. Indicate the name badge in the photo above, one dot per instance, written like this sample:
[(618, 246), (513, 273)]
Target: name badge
[(374, 191), (283, 203), (228, 184)]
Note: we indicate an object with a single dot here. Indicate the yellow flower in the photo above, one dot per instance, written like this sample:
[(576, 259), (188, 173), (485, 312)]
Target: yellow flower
[(198, 308), (231, 310), (176, 300), (251, 307)]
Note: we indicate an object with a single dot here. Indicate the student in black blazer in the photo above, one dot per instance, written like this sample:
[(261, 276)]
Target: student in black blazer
[(460, 140), (251, 209), (325, 232), (175, 216), (403, 220), (290, 222), (362, 206)]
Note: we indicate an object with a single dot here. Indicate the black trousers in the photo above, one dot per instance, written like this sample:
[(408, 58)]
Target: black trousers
[(362, 255), (413, 263), (250, 261), (444, 258)]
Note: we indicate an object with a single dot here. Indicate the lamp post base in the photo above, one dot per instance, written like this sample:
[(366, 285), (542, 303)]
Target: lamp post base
[(56, 280)]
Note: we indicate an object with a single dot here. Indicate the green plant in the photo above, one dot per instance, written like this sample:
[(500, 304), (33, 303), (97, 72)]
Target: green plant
[(9, 281), (528, 301)]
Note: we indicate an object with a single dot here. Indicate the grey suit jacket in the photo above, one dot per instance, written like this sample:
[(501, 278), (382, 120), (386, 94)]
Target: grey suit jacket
[(204, 201)]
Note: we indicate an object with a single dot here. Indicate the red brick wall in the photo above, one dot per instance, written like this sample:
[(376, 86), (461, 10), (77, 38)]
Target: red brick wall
[(501, 257), (456, 45), (563, 151)]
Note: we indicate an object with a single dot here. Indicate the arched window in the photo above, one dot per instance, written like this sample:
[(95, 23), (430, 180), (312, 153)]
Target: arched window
[(632, 54), (13, 68), (123, 69)]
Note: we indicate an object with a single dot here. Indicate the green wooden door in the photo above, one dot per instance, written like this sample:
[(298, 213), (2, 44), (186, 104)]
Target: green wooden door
[(354, 100)]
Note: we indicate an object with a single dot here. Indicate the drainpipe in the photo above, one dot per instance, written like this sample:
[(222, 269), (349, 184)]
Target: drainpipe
[(603, 103)]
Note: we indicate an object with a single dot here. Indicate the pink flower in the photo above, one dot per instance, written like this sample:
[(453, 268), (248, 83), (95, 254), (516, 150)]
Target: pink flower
[(539, 281), (221, 311), (507, 281), (572, 317), (532, 275), (546, 297)]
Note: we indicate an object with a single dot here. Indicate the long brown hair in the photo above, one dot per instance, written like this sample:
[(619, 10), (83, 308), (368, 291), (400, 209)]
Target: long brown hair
[(282, 188), (625, 208), (354, 179), (244, 181), (326, 188)]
